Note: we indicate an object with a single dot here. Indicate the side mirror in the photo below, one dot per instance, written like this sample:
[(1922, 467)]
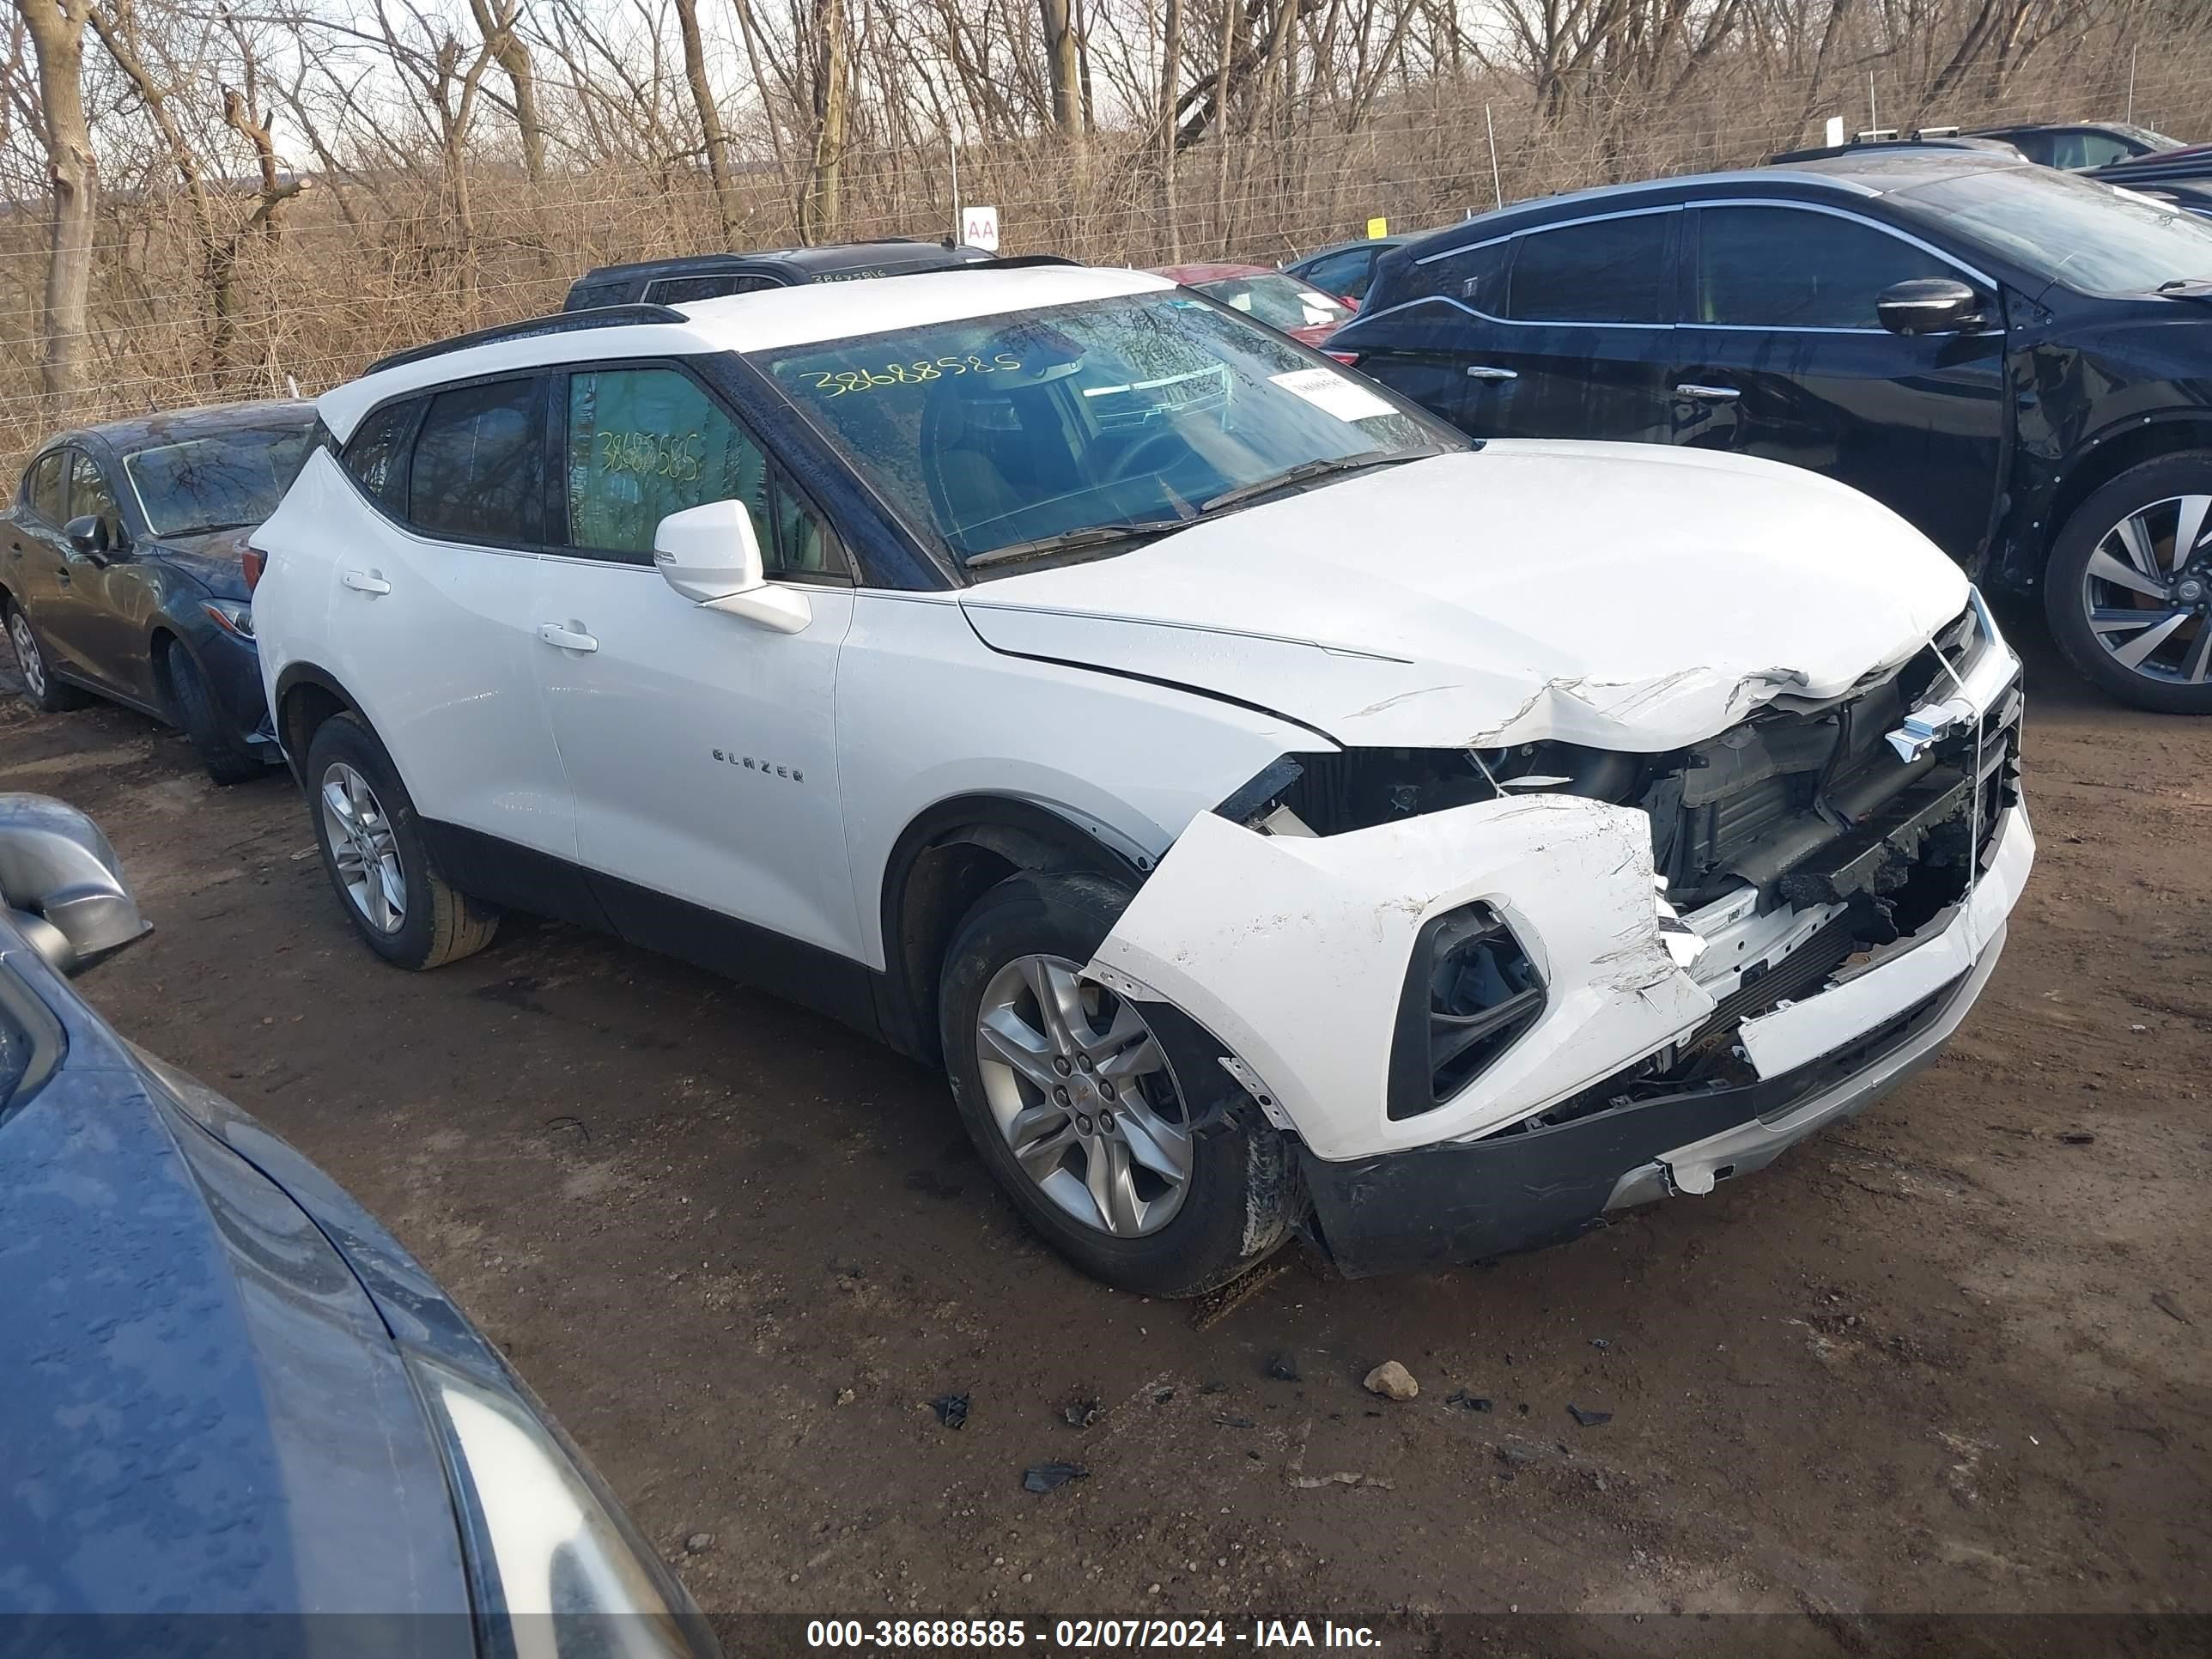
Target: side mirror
[(711, 555), (1929, 305), (62, 884), (88, 535)]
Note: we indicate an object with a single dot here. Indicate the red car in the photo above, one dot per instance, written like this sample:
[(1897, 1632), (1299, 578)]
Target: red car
[(1299, 309)]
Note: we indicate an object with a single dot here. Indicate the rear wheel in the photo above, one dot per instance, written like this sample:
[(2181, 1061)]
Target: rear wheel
[(375, 856), (220, 750), (1083, 1106), (45, 693), (2129, 590)]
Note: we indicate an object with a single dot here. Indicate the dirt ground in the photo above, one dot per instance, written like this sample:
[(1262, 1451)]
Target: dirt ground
[(1951, 1357)]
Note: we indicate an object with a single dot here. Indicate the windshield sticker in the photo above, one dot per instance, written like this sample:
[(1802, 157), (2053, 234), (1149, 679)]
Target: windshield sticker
[(1334, 393), (839, 381)]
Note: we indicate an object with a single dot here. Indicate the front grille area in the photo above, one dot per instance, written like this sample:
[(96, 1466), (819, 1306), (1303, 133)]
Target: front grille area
[(1816, 807)]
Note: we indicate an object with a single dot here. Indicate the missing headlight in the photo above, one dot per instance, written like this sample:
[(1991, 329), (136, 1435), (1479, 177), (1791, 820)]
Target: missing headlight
[(1470, 991), (1329, 794)]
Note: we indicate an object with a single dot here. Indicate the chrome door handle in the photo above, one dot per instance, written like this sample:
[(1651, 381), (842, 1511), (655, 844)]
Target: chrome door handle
[(567, 638), (1708, 394), (1484, 372), (365, 581)]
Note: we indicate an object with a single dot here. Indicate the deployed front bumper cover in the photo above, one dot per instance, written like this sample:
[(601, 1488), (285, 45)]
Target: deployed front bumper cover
[(1820, 1060), (1470, 1201)]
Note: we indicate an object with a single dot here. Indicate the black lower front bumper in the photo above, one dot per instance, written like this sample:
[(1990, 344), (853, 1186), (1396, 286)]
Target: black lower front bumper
[(1469, 1201)]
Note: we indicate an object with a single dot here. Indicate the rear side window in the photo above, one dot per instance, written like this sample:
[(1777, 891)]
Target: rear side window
[(42, 487), (1602, 271), (1786, 268), (376, 454), (478, 473)]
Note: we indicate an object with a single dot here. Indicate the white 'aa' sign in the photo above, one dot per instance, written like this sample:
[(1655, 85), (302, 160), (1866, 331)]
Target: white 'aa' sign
[(979, 227)]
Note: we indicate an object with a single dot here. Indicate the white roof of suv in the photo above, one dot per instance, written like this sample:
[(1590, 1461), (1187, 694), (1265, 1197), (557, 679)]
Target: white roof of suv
[(752, 322), (824, 311)]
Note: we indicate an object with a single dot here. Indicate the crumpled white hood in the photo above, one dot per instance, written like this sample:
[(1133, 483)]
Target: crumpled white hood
[(1622, 596)]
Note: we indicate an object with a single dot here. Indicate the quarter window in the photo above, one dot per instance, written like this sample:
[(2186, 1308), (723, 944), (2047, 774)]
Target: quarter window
[(1787, 268), (1602, 271), (1477, 277), (647, 442), (478, 473), (42, 488), (376, 454)]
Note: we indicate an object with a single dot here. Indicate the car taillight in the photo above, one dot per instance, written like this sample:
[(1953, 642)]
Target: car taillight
[(1349, 359), (255, 561)]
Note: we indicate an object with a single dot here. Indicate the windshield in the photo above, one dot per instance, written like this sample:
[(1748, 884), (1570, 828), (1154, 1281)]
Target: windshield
[(2157, 141), (994, 433), (2077, 231), (1279, 302), (220, 482)]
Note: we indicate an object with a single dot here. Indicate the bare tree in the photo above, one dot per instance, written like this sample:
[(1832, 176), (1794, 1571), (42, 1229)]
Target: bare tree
[(57, 32)]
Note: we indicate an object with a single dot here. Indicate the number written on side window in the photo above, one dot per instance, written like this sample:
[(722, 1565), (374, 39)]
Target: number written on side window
[(476, 474), (1785, 268), (647, 442), (1603, 270)]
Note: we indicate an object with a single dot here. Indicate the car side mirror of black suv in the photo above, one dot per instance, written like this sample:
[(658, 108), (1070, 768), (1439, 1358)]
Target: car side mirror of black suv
[(1929, 305)]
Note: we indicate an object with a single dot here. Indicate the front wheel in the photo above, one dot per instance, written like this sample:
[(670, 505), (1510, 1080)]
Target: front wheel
[(2128, 589), (375, 856), (220, 750), (1083, 1108)]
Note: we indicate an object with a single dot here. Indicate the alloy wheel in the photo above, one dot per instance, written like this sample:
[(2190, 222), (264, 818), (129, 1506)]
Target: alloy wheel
[(2147, 591), (364, 848), (1083, 1095), (28, 659)]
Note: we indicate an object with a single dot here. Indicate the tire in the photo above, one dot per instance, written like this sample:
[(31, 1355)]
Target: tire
[(433, 922), (227, 759), (48, 695), (2133, 522), (1238, 1195)]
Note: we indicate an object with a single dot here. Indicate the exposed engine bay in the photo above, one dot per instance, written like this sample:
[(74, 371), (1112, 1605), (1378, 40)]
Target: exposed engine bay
[(1797, 847)]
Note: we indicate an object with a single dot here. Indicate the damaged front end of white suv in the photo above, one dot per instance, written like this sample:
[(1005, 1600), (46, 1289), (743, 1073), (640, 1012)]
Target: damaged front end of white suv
[(1495, 993)]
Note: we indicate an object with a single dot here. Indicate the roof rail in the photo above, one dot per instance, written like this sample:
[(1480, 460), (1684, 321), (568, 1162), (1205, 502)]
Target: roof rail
[(567, 322), (1016, 261)]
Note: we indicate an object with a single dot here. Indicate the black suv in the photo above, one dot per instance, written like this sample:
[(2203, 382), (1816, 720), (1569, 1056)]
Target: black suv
[(2016, 360), (711, 275), (2081, 145)]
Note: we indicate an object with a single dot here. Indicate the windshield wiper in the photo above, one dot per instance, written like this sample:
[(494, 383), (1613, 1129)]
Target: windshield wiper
[(1316, 469), (1068, 541), (2195, 286)]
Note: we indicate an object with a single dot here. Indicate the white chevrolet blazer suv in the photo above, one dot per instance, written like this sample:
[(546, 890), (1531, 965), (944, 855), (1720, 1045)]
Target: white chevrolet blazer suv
[(1277, 813)]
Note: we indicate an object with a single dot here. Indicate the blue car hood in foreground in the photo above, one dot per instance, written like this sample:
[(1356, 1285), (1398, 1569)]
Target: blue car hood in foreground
[(204, 1412)]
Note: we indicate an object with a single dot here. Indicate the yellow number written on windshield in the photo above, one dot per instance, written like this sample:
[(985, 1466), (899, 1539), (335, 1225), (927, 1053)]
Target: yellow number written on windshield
[(839, 381)]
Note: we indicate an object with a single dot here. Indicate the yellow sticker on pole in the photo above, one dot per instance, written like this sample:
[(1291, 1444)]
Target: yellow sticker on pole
[(1378, 228)]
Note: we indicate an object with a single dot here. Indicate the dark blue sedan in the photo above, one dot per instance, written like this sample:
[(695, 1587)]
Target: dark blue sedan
[(122, 573), (227, 1390)]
